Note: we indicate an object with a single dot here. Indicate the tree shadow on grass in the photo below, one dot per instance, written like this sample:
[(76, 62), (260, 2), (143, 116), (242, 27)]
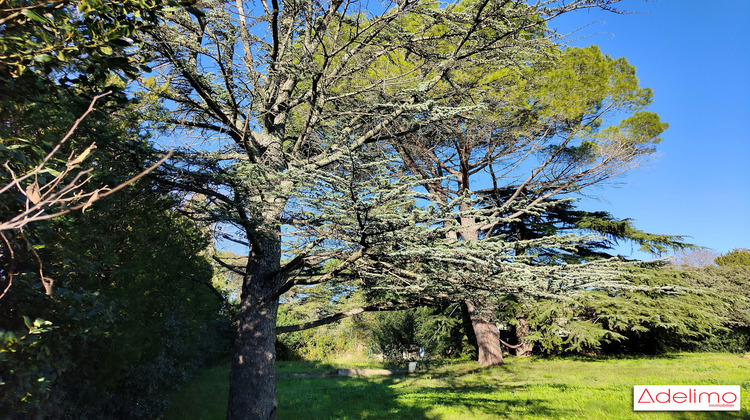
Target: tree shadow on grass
[(341, 398), (303, 366), (317, 366), (497, 402), (383, 397)]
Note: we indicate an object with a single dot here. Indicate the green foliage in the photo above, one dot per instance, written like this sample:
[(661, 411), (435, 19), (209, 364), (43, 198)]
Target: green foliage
[(399, 335), (344, 339), (131, 305), (582, 80), (55, 57), (738, 256), (560, 216), (42, 375), (151, 268), (719, 305), (555, 329), (543, 131), (732, 284), (94, 36), (14, 349), (623, 230), (132, 315), (396, 336), (670, 311), (735, 340)]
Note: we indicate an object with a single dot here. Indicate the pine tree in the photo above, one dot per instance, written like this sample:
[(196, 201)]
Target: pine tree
[(534, 135)]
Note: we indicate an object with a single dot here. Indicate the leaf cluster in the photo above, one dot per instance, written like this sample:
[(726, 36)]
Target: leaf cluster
[(736, 257), (85, 39)]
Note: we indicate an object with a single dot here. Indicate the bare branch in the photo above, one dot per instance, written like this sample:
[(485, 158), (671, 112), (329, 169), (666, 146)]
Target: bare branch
[(321, 279), (51, 154), (71, 193)]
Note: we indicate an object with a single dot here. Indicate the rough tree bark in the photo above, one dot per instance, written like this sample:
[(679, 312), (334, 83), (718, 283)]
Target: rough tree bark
[(490, 351), (255, 355), (252, 385), (487, 334)]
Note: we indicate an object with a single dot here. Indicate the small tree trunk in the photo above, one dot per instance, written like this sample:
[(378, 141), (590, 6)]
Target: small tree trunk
[(252, 382), (522, 331), (488, 336)]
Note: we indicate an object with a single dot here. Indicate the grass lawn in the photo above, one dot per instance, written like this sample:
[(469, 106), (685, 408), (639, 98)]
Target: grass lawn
[(521, 389)]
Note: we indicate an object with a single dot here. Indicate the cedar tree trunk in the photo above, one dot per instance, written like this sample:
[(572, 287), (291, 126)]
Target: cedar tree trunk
[(488, 336), (252, 384), (486, 332)]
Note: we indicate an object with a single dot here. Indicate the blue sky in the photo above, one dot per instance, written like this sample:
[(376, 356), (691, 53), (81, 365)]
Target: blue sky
[(695, 55)]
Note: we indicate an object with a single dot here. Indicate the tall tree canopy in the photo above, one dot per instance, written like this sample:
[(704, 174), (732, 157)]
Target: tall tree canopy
[(559, 124), (273, 96)]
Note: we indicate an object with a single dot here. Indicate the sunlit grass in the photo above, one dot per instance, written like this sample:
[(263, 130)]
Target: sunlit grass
[(522, 389)]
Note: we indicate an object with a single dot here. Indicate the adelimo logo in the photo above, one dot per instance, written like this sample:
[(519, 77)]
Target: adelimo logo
[(686, 398)]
